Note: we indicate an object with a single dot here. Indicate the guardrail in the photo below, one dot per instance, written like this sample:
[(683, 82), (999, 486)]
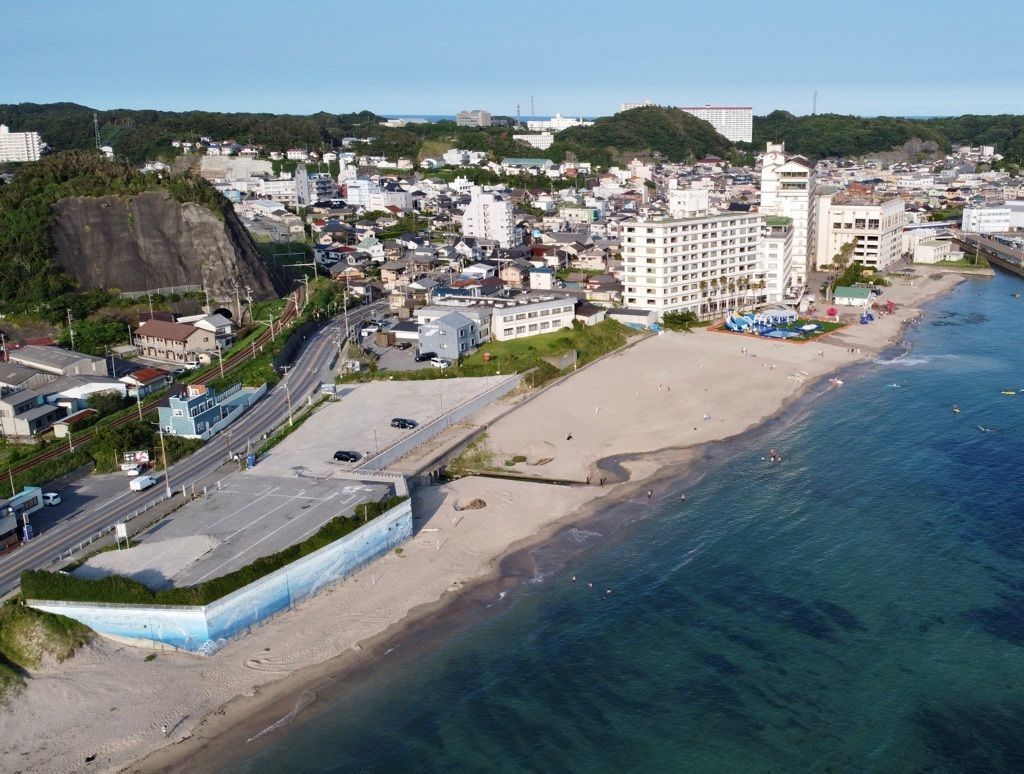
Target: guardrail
[(391, 454)]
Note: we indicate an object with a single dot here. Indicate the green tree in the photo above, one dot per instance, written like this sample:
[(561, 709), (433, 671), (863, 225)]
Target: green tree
[(106, 402), (679, 321)]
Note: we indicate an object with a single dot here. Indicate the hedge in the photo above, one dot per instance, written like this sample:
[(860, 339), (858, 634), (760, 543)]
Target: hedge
[(40, 584)]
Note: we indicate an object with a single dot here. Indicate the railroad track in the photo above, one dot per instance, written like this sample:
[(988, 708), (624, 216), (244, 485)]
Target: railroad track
[(85, 437)]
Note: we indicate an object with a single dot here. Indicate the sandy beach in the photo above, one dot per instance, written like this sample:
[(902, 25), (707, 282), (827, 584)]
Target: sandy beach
[(654, 402)]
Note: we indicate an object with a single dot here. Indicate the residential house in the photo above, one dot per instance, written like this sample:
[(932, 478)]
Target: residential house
[(197, 411), (173, 342), (146, 381), (221, 327), (542, 278), (392, 271), (450, 336), (72, 393), (516, 274), (25, 413)]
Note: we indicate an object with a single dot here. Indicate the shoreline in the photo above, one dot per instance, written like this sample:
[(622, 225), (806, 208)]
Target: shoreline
[(225, 724)]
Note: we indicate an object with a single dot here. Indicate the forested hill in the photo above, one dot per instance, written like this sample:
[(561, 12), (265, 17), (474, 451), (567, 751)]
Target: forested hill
[(829, 134), (669, 132), (141, 135), (34, 208)]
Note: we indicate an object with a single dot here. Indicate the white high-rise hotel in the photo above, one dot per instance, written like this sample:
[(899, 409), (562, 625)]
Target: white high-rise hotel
[(788, 190), (488, 216), (704, 264), (735, 124), (19, 146)]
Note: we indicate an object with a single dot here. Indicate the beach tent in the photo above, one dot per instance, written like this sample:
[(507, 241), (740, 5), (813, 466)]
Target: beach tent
[(832, 311)]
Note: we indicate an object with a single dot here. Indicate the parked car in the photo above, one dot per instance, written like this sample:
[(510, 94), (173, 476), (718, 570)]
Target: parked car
[(51, 498), (403, 424), (347, 456), (440, 362), (369, 330), (422, 357), (140, 483), (403, 345), (132, 470)]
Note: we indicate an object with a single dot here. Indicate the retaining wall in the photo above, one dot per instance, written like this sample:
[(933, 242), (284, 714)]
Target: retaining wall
[(208, 628)]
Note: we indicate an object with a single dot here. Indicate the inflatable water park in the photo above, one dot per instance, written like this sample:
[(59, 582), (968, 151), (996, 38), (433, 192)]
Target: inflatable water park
[(770, 323)]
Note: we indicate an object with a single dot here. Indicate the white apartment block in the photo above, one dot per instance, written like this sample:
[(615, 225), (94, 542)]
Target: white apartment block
[(634, 105), (279, 190), (473, 118), (788, 186), (556, 124), (19, 146), (488, 216), (874, 227), (358, 191), (312, 187), (703, 264), (531, 316), (775, 267), (541, 141), (986, 220), (735, 124)]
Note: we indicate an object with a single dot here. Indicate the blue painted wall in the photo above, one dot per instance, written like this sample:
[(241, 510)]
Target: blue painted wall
[(207, 629)]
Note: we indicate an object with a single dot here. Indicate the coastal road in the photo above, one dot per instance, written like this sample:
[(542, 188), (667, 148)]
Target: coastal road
[(311, 367)]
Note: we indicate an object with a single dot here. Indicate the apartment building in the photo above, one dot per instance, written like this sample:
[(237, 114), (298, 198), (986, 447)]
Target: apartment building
[(733, 123), (281, 190), (473, 118), (173, 342), (314, 187), (702, 264), (488, 216), (987, 220), (874, 226), (788, 188), (556, 123), (19, 146), (518, 318)]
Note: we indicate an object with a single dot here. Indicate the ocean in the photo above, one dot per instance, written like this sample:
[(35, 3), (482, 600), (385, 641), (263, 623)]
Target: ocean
[(858, 607)]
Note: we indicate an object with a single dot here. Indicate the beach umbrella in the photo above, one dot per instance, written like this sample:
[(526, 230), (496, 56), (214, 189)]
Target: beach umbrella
[(832, 311)]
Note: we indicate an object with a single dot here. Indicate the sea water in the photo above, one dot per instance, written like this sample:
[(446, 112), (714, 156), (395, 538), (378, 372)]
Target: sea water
[(858, 607)]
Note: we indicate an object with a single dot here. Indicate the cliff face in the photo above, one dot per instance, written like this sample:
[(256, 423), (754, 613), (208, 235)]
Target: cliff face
[(151, 241)]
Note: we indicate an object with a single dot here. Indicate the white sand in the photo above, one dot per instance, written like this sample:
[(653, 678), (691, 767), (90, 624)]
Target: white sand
[(109, 701)]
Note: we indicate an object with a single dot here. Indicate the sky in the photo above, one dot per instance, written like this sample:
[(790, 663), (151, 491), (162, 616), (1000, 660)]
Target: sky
[(864, 57)]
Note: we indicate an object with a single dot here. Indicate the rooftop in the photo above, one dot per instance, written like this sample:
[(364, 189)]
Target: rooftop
[(52, 357)]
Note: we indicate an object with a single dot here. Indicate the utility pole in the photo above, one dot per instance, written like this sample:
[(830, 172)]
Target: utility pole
[(138, 399), (220, 358), (163, 455), (71, 331)]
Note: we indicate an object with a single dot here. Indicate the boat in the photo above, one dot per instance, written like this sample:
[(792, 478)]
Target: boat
[(1008, 392), (986, 429), (956, 409), (835, 381), (1016, 295)]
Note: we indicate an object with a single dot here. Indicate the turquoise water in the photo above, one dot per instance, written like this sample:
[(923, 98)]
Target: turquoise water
[(859, 607)]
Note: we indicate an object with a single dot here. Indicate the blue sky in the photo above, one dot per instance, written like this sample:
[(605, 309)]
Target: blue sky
[(898, 57)]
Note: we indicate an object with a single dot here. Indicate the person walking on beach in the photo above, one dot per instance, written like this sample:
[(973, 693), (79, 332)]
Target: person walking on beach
[(164, 729), (650, 493), (568, 437)]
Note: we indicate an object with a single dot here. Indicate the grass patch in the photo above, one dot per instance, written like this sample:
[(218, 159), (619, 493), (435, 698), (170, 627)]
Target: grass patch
[(434, 149), (967, 263), (520, 355), (40, 584), (29, 637), (11, 681), (476, 456)]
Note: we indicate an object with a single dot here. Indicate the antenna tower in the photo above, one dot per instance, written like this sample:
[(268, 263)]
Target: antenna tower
[(533, 113), (814, 103), (96, 129), (519, 120)]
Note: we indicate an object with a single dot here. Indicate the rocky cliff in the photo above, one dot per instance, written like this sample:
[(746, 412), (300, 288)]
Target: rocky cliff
[(150, 241)]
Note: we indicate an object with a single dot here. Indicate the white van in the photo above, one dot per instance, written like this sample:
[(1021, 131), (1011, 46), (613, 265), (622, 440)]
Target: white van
[(140, 483)]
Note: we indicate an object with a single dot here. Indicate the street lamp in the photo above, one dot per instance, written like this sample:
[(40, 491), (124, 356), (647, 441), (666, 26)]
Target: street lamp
[(288, 393), (220, 358)]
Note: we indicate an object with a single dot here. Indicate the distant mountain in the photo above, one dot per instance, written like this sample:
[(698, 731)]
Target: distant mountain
[(667, 133)]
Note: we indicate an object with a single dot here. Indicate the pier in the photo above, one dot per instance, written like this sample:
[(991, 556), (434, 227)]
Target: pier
[(997, 251)]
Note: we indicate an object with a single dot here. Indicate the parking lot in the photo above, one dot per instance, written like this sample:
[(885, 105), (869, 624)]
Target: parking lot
[(87, 492), (247, 516), (361, 421), (393, 358)]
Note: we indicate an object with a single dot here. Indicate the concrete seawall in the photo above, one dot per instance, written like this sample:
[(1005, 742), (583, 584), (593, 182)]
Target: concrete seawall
[(206, 629)]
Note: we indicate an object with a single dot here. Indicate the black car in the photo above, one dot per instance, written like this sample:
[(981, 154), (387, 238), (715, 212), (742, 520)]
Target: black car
[(403, 424), (422, 357), (403, 345), (347, 456)]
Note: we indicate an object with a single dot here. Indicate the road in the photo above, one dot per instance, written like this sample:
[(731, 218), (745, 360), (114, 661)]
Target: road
[(311, 367)]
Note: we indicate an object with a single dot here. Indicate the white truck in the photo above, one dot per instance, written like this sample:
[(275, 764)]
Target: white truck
[(140, 483)]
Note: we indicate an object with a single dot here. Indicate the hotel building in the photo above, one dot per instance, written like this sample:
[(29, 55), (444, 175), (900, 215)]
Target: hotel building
[(735, 124), (704, 264)]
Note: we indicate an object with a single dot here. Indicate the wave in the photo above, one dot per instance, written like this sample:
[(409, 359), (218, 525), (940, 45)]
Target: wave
[(578, 535), (305, 699)]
